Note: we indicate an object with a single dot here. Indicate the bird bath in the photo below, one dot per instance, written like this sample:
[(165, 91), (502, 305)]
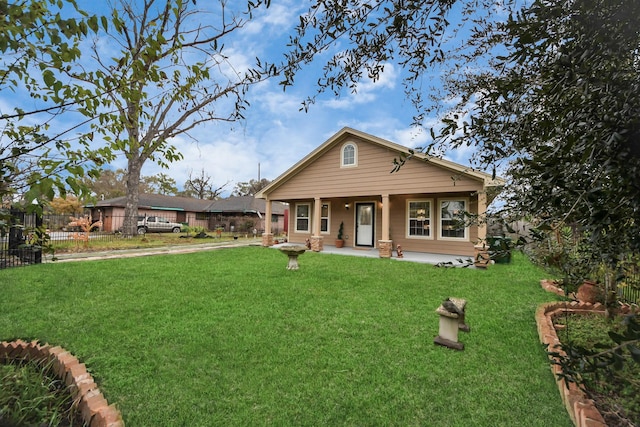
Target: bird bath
[(292, 251)]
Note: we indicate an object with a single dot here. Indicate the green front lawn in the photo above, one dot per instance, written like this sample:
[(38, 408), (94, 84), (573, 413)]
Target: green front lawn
[(230, 337)]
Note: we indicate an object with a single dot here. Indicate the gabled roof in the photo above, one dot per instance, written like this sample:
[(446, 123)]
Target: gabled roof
[(487, 179)]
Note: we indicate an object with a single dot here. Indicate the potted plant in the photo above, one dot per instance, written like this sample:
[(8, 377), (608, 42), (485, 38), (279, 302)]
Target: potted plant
[(340, 239)]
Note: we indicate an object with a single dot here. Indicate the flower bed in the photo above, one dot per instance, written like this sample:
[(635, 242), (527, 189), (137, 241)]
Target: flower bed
[(581, 409), (95, 410)]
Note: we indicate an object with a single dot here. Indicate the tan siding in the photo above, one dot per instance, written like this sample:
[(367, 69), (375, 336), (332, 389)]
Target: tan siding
[(434, 245), (398, 225), (323, 177), (371, 176)]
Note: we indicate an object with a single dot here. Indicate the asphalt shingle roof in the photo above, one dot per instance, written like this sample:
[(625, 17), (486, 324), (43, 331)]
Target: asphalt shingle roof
[(243, 204)]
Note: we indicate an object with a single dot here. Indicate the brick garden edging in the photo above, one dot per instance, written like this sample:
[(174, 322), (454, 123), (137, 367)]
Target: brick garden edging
[(582, 410), (94, 408)]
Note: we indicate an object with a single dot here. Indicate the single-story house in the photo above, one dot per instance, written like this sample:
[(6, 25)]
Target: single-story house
[(348, 180), (245, 213), (241, 214)]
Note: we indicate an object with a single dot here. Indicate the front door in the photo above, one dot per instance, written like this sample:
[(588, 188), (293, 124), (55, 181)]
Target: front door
[(365, 224)]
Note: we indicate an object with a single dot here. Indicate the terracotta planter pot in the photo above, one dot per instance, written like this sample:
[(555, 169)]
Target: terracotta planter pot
[(339, 243), (589, 292)]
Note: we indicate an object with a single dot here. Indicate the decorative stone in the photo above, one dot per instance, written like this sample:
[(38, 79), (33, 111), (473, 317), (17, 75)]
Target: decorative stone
[(385, 248), (317, 243), (482, 258), (451, 323), (267, 239), (292, 251)]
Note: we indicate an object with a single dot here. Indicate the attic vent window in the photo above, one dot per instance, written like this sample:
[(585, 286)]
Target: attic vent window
[(349, 155)]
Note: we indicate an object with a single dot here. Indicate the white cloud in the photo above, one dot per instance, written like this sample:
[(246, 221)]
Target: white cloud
[(367, 90), (227, 159), (412, 137), (276, 19)]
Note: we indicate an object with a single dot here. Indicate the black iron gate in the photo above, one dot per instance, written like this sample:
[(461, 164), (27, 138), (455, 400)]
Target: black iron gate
[(21, 239)]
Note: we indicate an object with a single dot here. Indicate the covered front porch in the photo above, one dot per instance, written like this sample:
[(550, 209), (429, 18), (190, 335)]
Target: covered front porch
[(381, 224), (419, 257)]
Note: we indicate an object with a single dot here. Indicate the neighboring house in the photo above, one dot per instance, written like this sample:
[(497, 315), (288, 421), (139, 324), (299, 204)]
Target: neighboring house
[(246, 213), (348, 180), (243, 213)]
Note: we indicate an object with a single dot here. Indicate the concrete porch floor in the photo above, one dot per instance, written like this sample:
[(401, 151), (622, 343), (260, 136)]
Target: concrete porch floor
[(425, 258)]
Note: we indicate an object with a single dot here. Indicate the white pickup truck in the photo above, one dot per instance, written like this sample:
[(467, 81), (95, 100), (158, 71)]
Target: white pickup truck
[(157, 224)]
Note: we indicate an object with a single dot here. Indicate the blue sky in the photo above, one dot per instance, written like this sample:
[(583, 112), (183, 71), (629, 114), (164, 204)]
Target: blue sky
[(276, 134)]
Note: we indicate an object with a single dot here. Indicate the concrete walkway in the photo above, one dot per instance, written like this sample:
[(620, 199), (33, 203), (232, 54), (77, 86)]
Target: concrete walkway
[(160, 250), (426, 258)]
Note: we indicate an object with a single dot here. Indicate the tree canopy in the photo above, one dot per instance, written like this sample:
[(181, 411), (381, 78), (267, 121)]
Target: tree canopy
[(250, 188), (36, 159), (202, 187), (565, 111), (164, 74), (112, 183)]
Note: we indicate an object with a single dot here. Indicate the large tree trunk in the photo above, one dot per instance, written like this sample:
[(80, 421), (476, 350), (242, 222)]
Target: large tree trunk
[(130, 226)]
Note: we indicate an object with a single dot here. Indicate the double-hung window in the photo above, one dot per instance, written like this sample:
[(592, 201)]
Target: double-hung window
[(324, 218), (419, 218), (452, 219), (303, 218)]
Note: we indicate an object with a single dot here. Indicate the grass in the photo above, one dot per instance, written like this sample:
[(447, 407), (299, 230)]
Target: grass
[(230, 337), (31, 394), (149, 240)]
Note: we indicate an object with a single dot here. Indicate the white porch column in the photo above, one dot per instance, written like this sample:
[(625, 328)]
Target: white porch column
[(482, 211), (385, 217), (317, 212), (385, 245)]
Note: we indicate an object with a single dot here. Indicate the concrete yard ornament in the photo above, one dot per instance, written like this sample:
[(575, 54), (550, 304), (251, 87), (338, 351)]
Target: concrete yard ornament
[(451, 307)]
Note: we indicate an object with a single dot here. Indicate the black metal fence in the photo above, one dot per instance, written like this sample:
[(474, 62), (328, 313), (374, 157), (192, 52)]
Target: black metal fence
[(21, 241), (629, 286), (629, 294)]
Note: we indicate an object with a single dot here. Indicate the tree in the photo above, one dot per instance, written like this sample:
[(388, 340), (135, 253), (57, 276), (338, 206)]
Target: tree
[(68, 205), (110, 184), (250, 188), (563, 108), (169, 75), (201, 187), (38, 38), (161, 184), (360, 38)]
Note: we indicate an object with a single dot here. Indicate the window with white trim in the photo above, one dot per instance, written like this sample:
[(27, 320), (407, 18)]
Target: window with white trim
[(324, 218), (419, 218), (303, 218), (349, 155), (452, 219)]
